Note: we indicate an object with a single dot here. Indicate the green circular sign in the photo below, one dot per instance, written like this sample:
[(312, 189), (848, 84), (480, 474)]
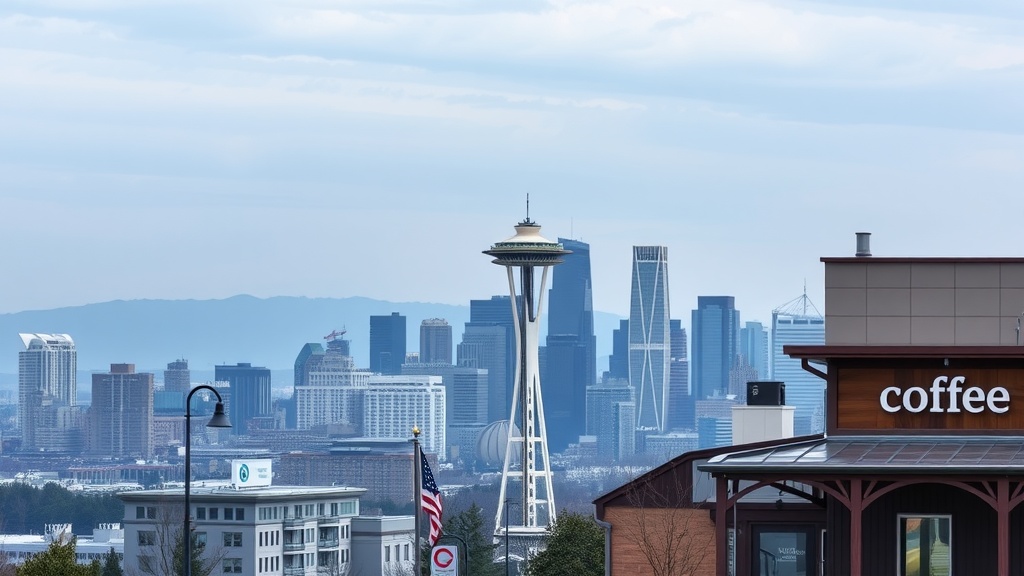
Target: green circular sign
[(243, 473)]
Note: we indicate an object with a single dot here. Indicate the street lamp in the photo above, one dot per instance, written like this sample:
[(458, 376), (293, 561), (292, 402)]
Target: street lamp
[(507, 503), (219, 420)]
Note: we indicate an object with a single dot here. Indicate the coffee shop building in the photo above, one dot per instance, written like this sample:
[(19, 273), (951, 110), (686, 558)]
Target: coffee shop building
[(920, 471)]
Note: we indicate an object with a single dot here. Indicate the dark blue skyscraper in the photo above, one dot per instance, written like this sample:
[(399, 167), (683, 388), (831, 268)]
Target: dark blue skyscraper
[(618, 362), (489, 342), (250, 394), (680, 401), (715, 324), (571, 356), (387, 343)]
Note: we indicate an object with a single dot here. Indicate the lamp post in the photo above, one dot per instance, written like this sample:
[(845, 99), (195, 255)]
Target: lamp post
[(219, 420), (507, 503)]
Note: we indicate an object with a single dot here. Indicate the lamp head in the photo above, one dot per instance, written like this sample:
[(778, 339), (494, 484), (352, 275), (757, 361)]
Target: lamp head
[(219, 419)]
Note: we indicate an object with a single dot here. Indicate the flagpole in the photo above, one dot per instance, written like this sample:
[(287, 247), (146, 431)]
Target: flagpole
[(417, 486)]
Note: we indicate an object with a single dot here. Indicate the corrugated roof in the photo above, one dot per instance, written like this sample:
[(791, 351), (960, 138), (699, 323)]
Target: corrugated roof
[(885, 455)]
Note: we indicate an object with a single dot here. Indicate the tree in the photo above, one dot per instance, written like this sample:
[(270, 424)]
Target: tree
[(471, 526), (112, 564), (575, 546), (58, 559), (666, 528)]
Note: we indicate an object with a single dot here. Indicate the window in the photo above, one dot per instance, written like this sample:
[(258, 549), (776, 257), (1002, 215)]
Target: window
[(405, 549), (232, 539), (147, 564), (214, 512), (925, 545), (201, 539), (229, 513), (140, 512), (321, 509), (200, 513), (298, 510), (239, 514), (232, 565), (334, 508), (387, 553), (309, 510), (151, 512), (349, 508), (147, 538)]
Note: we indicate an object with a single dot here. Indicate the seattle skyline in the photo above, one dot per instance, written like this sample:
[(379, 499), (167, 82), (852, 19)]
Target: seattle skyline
[(265, 153)]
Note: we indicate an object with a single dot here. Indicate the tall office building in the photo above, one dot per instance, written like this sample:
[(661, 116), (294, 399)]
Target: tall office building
[(488, 342), (435, 341), (602, 414), (177, 377), (387, 344), (680, 401), (649, 338), (798, 322), (618, 361), (570, 362), (753, 349), (251, 403), (121, 414), (48, 412), (715, 324), (331, 392), (308, 359)]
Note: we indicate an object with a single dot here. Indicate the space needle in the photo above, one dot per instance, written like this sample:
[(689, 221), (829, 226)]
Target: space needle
[(527, 434)]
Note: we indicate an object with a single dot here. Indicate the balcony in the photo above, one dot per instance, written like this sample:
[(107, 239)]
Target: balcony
[(327, 543), (294, 571), (294, 546), (328, 519), (293, 521)]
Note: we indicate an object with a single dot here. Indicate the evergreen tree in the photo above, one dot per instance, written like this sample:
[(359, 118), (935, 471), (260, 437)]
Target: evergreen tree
[(112, 564), (58, 559), (575, 546), (471, 526)]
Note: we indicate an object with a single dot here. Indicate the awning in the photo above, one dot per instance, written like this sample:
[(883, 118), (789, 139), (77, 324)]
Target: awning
[(944, 455)]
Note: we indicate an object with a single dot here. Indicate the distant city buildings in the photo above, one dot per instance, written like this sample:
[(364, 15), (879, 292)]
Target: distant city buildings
[(571, 353), (251, 405), (798, 322), (605, 403), (121, 414), (754, 350), (48, 412), (680, 401), (393, 405), (331, 389), (435, 341), (715, 325), (177, 377), (488, 343), (649, 337), (387, 343)]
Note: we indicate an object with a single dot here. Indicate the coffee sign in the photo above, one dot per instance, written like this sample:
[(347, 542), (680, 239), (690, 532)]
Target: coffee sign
[(946, 395)]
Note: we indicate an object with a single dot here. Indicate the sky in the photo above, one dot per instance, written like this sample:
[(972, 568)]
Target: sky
[(180, 149)]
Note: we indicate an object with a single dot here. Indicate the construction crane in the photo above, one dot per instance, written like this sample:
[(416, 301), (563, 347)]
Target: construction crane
[(334, 335)]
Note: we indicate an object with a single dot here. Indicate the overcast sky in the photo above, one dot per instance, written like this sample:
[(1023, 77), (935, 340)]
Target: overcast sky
[(196, 149)]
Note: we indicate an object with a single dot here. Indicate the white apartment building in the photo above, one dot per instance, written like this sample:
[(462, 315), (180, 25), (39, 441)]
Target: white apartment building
[(20, 547), (394, 404), (333, 394), (264, 531)]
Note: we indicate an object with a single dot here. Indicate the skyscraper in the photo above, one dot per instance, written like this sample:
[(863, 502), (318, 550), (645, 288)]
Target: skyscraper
[(680, 401), (177, 377), (799, 322), (488, 342), (754, 348), (715, 324), (250, 394), (435, 341), (571, 357), (48, 412), (649, 338), (121, 414), (332, 390), (387, 344), (618, 361)]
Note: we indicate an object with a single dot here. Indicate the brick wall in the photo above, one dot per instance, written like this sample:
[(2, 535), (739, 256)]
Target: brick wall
[(694, 525)]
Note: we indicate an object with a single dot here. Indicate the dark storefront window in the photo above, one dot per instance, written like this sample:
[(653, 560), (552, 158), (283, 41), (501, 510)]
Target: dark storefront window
[(924, 546), (781, 550)]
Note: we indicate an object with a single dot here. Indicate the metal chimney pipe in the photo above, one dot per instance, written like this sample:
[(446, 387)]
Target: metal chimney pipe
[(863, 244)]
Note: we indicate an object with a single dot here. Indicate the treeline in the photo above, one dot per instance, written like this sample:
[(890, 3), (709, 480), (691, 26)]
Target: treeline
[(26, 510)]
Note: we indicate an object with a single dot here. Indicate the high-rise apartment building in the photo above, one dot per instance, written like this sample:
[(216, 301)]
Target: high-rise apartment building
[(250, 395), (435, 341), (570, 362), (715, 324), (649, 338), (121, 414), (331, 392), (394, 404), (602, 414), (177, 377), (48, 412), (387, 343), (798, 322)]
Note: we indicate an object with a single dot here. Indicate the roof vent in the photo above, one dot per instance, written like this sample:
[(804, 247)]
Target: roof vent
[(863, 244)]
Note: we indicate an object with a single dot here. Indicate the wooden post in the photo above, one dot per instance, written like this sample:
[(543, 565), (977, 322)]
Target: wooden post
[(1003, 522), (856, 514), (721, 526)]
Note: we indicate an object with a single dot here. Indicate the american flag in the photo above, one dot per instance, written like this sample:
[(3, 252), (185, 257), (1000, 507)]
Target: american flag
[(430, 500)]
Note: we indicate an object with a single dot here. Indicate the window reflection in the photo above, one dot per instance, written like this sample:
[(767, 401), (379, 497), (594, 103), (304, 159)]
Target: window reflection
[(924, 544)]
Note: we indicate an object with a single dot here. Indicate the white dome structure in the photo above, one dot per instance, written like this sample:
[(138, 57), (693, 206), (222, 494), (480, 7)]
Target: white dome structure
[(492, 442)]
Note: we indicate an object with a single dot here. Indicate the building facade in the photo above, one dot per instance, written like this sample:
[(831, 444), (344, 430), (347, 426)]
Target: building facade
[(649, 336), (387, 343), (798, 323), (121, 414), (48, 413), (715, 324), (394, 405), (177, 377), (250, 395), (331, 392), (435, 341)]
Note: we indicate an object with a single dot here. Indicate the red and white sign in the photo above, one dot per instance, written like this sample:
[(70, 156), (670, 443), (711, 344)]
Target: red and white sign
[(444, 561)]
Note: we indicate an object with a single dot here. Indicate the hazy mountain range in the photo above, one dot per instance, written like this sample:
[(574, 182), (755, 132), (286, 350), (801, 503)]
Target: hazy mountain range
[(264, 331)]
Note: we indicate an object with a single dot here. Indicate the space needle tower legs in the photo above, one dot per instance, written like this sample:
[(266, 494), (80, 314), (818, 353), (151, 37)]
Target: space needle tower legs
[(527, 439)]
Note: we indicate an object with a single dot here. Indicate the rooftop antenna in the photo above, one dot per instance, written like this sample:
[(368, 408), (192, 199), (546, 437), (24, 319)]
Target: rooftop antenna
[(805, 296), (527, 206)]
